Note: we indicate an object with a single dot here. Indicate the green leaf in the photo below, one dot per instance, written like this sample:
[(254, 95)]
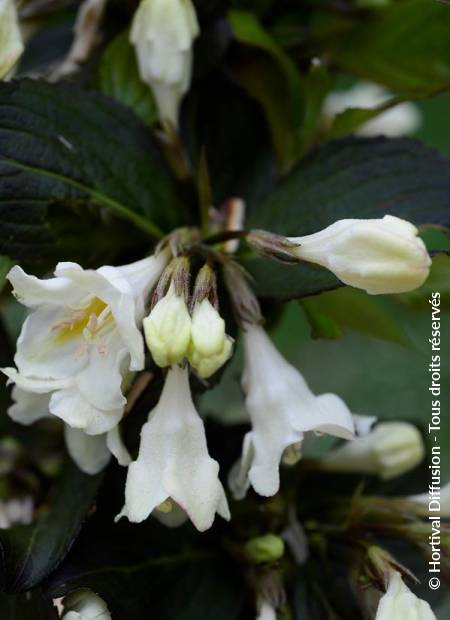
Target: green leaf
[(149, 567), (28, 606), (331, 314), (118, 77), (346, 122), (351, 178), (272, 78), (29, 553), (65, 148), (403, 46)]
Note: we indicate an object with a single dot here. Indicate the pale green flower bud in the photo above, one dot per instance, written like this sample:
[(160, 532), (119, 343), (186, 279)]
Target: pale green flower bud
[(391, 449), (11, 46), (378, 255), (167, 329), (210, 346), (264, 549)]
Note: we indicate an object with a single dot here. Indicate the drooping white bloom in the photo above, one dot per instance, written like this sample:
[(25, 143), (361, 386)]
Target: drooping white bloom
[(16, 511), (90, 452), (266, 611), (391, 449), (163, 33), (403, 119), (399, 602), (435, 503), (11, 45), (282, 409), (210, 346), (378, 255), (173, 461), (85, 605), (167, 329), (82, 338)]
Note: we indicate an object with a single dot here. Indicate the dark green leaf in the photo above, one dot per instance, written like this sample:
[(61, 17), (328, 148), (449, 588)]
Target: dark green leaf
[(333, 313), (66, 148), (404, 46), (351, 178), (28, 606), (30, 553), (148, 567), (221, 120), (119, 78)]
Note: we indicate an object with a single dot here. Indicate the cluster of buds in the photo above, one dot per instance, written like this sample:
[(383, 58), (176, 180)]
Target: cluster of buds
[(173, 333)]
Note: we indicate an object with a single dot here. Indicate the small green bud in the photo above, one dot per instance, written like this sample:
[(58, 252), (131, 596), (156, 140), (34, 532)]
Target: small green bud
[(264, 549)]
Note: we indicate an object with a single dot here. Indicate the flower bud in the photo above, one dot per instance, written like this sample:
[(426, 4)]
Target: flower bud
[(379, 255), (391, 449), (264, 549), (167, 329), (210, 346), (11, 46), (163, 32), (85, 605)]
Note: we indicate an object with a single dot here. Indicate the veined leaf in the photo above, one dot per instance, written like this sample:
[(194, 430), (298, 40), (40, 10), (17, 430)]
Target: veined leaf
[(64, 148)]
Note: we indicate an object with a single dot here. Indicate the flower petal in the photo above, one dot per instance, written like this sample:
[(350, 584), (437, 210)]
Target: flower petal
[(28, 407), (77, 412), (89, 453)]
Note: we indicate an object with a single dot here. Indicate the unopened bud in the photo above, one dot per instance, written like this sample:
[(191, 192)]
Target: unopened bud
[(391, 449), (265, 549), (167, 329), (10, 37), (378, 255)]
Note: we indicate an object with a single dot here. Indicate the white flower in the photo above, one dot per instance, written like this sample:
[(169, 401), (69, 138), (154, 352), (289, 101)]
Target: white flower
[(82, 338), (167, 329), (173, 461), (266, 611), (16, 511), (400, 603), (210, 346), (90, 452), (282, 409), (438, 504), (391, 449), (378, 255), (402, 119), (85, 605), (163, 32), (11, 45)]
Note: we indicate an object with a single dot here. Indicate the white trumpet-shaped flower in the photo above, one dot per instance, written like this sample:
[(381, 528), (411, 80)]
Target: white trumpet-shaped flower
[(163, 33), (11, 45), (173, 461), (82, 339), (90, 452), (399, 602), (282, 409), (391, 449), (210, 346), (167, 329), (378, 255), (399, 120), (85, 605)]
